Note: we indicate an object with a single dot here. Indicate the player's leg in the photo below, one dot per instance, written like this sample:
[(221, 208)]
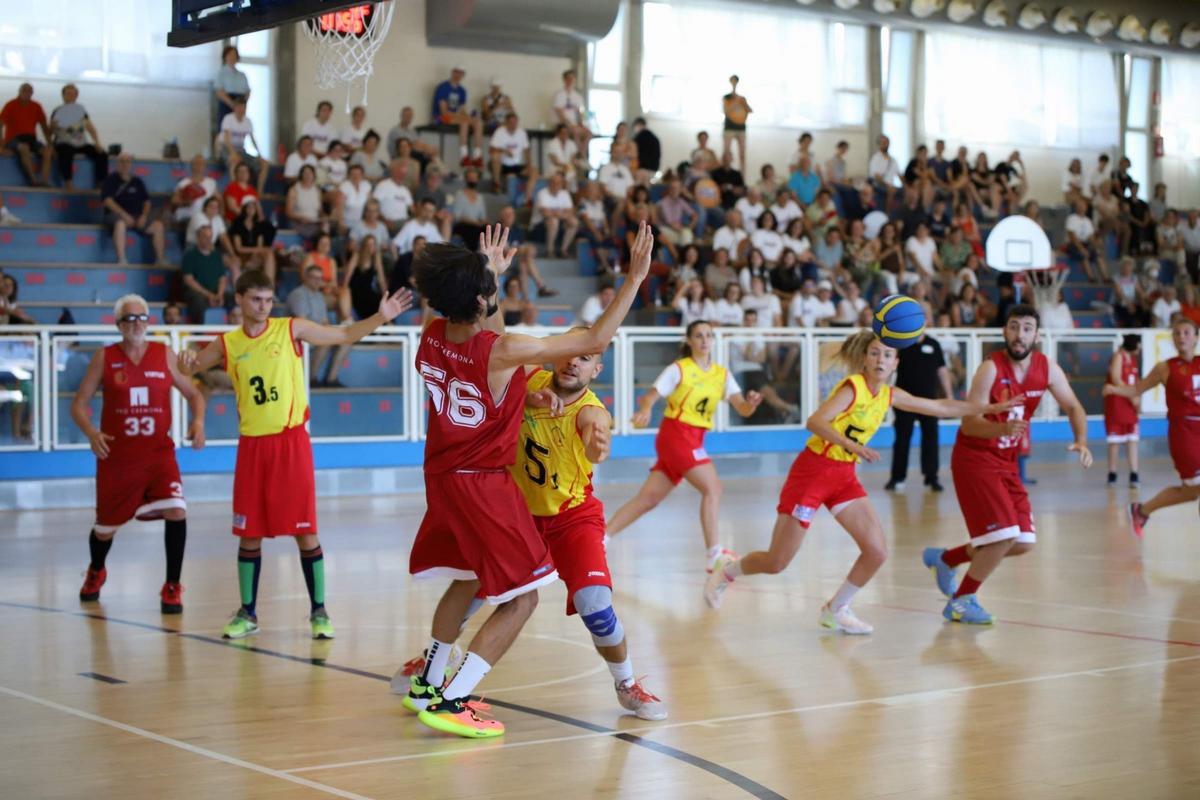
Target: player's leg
[(1184, 441), (423, 681), (312, 564), (786, 539), (704, 479), (249, 563), (1131, 453), (174, 542), (99, 543), (594, 604), (652, 492), (1113, 451), (861, 521), (1171, 496)]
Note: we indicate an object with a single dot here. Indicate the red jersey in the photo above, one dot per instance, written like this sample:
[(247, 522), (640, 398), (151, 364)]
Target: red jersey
[(1121, 410), (1005, 386), (468, 429), (137, 401), (1183, 389)]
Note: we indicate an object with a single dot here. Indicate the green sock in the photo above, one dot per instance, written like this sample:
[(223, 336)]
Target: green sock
[(313, 564), (249, 566)]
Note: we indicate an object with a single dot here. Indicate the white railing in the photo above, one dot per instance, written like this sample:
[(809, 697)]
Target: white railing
[(34, 362)]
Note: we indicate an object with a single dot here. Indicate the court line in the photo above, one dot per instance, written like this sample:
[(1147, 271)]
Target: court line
[(181, 745), (737, 779)]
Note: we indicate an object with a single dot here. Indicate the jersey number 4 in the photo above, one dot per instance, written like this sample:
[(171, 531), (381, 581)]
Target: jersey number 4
[(465, 406)]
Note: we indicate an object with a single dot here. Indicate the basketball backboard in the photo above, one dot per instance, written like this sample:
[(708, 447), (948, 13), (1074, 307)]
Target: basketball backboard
[(1018, 244), (198, 21)]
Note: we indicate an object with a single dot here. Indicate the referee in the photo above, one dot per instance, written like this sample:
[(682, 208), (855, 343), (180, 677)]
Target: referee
[(922, 373)]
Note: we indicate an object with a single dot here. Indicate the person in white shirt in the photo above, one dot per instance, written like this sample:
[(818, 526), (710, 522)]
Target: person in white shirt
[(617, 180), (692, 304), (883, 170), (354, 133), (210, 216), (1072, 182), (191, 192), (1166, 307), (1082, 242), (594, 306), (554, 210), (320, 129), (393, 195), (304, 155), (372, 224), (1057, 315), (563, 155), (850, 306), (751, 208), (824, 310), (731, 238), (729, 308), (509, 152), (763, 303), (355, 191), (802, 311), (236, 130), (1098, 174), (568, 110), (923, 250), (332, 168), (785, 208), (422, 225), (766, 239)]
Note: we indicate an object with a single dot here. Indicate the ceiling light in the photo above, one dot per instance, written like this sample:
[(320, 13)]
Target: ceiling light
[(1131, 29), (886, 6), (962, 10), (995, 14), (1066, 21), (1032, 17), (846, 4), (1189, 37), (926, 8), (1160, 32), (1100, 24)]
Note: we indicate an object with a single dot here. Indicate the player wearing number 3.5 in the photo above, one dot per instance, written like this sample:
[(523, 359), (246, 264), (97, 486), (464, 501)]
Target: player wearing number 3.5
[(136, 472), (274, 492), (694, 386), (824, 475)]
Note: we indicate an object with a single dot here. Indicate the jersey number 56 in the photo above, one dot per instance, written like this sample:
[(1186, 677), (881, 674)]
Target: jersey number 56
[(465, 405)]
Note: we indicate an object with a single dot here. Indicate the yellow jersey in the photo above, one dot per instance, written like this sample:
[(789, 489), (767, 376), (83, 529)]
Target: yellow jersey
[(693, 394), (552, 468), (268, 378), (858, 422)]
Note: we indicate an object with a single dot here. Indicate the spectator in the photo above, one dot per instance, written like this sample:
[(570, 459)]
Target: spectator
[(190, 193), (405, 153), (693, 304), (803, 306), (70, 127), (374, 165), (1056, 315), (836, 170), (513, 302), (1010, 176), (910, 215), (921, 372), (785, 208), (919, 177), (939, 167), (235, 193), (354, 133), (372, 224), (1098, 174), (893, 267), (304, 154), (553, 211), (210, 215), (967, 311), (253, 237), (172, 314), (1107, 206), (593, 224), (728, 310), (719, 274), (803, 150), (204, 278), (364, 280), (355, 192), (595, 305), (1166, 307), (965, 221), (955, 251), (756, 265), (823, 309), (236, 129), (702, 156), (765, 305), (804, 181), (127, 210), (10, 312), (470, 212), (766, 239), (568, 110), (564, 156), (526, 268), (1170, 240), (20, 120), (862, 257), (510, 155), (857, 205), (768, 183), (394, 198), (796, 240), (322, 258), (1082, 241), (688, 268), (850, 307), (432, 189), (1121, 179), (882, 169), (786, 278), (622, 149), (751, 207), (649, 151), (939, 220), (676, 218), (311, 300), (332, 170), (922, 252), (1189, 233), (822, 214), (959, 185), (450, 108), (732, 238), (422, 225), (400, 276), (1128, 299), (421, 151), (495, 107), (303, 207), (1158, 203), (736, 109), (319, 130), (729, 181), (829, 252), (231, 84), (1143, 237)]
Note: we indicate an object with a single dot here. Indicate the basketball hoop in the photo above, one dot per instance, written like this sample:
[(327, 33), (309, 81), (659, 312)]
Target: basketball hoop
[(346, 41)]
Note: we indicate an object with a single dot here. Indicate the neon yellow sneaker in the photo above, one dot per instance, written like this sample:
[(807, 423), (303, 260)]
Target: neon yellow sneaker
[(421, 694), (461, 716), (241, 626), (322, 628)]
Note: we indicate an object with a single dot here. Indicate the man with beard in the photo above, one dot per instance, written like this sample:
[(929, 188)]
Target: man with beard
[(993, 499)]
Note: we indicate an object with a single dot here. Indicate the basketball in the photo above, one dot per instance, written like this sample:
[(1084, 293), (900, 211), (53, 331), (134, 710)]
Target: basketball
[(707, 193), (899, 321)]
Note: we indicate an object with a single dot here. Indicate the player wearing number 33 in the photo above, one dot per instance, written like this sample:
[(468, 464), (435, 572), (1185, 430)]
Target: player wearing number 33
[(274, 492), (824, 475), (136, 472)]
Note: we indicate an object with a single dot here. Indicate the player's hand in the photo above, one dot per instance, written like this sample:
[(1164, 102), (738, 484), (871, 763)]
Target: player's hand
[(866, 453), (599, 442), (545, 398), (395, 305), (754, 399), (1006, 405), (640, 253), (99, 442), (641, 419), (1085, 455), (1015, 427), (196, 434), (186, 362), (493, 244)]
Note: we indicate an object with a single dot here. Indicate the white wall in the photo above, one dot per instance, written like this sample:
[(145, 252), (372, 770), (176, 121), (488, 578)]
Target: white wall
[(1182, 177), (139, 117)]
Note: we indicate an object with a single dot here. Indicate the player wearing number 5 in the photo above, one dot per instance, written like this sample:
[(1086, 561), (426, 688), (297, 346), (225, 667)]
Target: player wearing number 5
[(694, 386), (274, 492), (136, 472)]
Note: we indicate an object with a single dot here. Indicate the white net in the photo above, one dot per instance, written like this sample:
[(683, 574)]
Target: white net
[(346, 42)]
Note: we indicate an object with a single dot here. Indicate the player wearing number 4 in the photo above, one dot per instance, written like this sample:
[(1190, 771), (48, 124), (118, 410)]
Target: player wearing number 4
[(694, 386), (136, 472), (824, 475), (274, 491)]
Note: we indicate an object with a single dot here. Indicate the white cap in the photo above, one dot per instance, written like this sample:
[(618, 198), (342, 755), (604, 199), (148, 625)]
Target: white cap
[(825, 285), (458, 68)]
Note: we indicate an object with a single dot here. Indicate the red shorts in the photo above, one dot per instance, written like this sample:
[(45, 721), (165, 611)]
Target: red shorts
[(576, 541), (993, 500), (815, 481), (680, 448), (1183, 437), (477, 527), (141, 487), (274, 488), (1116, 432)]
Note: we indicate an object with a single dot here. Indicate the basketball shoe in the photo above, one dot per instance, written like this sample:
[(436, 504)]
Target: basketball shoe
[(633, 697), (421, 694), (462, 717), (844, 620), (1137, 520), (718, 581), (966, 609), (322, 628), (724, 554), (92, 582), (416, 666), (942, 572), (240, 626), (172, 598)]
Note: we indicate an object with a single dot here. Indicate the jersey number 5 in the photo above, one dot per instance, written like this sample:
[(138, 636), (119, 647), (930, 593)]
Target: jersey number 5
[(466, 406), (532, 451)]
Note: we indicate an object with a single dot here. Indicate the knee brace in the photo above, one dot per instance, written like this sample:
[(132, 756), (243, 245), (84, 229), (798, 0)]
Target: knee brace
[(594, 604)]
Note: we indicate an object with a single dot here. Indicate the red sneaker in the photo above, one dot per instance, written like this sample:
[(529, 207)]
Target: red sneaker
[(91, 584), (466, 161), (172, 598), (414, 666), (1137, 519)]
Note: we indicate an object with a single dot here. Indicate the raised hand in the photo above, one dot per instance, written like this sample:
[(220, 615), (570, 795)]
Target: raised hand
[(754, 399), (395, 305), (640, 253), (493, 244)]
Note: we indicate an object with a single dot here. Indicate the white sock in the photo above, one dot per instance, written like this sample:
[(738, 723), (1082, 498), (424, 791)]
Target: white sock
[(462, 151), (622, 671), (467, 678), (733, 570), (843, 597), (477, 152), (436, 658), (714, 551)]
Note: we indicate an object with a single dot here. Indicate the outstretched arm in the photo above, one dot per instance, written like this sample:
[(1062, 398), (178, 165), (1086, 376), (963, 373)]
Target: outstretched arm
[(641, 417), (493, 245), (949, 407), (1157, 377), (390, 307), (190, 362), (974, 424), (745, 404)]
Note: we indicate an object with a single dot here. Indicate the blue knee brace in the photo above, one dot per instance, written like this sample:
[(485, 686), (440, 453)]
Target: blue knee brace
[(594, 604)]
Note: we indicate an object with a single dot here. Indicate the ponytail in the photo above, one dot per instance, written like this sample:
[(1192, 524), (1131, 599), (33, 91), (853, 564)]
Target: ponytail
[(853, 351)]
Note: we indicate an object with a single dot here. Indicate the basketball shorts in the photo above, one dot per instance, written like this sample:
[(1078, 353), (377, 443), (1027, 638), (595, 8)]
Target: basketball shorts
[(142, 488), (274, 488), (680, 448), (478, 527), (815, 481), (1117, 432), (993, 500), (576, 541), (1183, 437)]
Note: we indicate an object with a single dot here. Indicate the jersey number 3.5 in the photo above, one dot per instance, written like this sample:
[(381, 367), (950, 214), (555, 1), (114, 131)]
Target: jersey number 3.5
[(460, 401)]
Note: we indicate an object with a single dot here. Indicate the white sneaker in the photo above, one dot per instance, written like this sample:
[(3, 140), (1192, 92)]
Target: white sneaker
[(724, 554), (717, 582), (7, 217), (633, 697), (844, 620)]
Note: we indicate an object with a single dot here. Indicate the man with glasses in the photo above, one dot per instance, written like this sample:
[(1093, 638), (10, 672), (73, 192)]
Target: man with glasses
[(136, 472)]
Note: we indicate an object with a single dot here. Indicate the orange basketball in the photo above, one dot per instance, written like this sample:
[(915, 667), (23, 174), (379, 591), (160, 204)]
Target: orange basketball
[(707, 193)]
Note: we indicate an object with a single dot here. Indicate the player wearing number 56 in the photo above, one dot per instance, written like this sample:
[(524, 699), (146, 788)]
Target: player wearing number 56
[(274, 488), (136, 472)]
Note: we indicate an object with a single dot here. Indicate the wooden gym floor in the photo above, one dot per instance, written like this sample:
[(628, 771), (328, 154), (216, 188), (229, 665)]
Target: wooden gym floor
[(1089, 687)]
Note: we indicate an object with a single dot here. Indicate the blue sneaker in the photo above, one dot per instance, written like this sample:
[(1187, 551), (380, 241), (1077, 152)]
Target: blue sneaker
[(966, 609), (943, 572)]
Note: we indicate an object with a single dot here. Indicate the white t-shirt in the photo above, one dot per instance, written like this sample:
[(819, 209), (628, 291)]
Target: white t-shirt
[(353, 137), (238, 130), (848, 310), (806, 311), (411, 230), (728, 313), (769, 243), (322, 134), (570, 103), (740, 351), (1094, 177), (591, 310), (513, 144), (1071, 181), (750, 212), (798, 246), (356, 200), (197, 221), (548, 200), (922, 253), (1164, 311), (616, 178), (593, 211), (561, 154), (690, 312), (669, 379), (767, 306), (784, 214), (395, 199), (728, 239), (1081, 226), (291, 167), (885, 165), (331, 171), (1057, 317), (184, 213)]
